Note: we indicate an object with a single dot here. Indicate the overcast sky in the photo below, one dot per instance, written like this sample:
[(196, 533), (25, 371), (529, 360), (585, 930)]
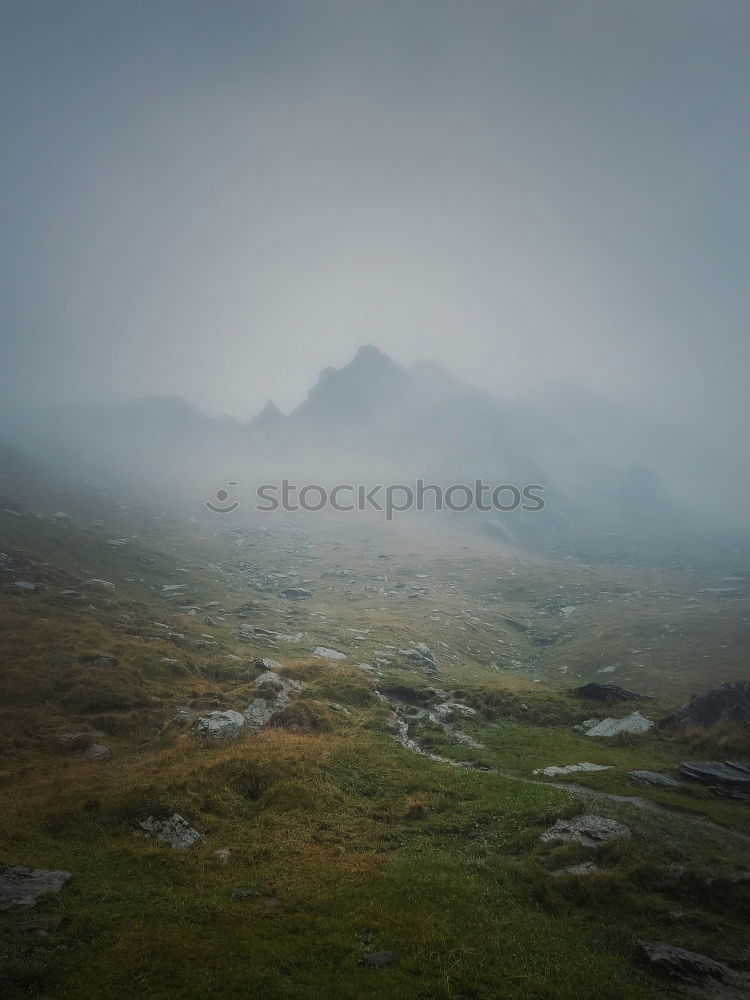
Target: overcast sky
[(218, 199)]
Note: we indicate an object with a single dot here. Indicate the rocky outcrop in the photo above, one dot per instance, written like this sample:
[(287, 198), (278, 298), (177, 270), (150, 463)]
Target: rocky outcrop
[(277, 693), (606, 692), (695, 973), (420, 653), (729, 702), (731, 774)]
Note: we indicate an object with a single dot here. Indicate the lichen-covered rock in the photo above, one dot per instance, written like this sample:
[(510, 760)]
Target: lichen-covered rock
[(218, 727), (22, 886), (634, 723), (175, 831)]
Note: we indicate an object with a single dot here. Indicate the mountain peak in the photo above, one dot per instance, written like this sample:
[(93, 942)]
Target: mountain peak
[(269, 416), (371, 356), (362, 386)]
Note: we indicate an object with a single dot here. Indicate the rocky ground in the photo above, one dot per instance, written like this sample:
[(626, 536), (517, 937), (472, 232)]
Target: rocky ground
[(264, 757)]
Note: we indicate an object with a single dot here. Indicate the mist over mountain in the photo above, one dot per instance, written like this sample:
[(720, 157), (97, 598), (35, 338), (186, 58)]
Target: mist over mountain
[(604, 469)]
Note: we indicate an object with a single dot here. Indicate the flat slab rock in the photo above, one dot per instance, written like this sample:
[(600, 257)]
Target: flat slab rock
[(728, 773), (634, 723), (175, 831), (591, 831), (695, 973), (328, 654), (553, 771), (22, 886)]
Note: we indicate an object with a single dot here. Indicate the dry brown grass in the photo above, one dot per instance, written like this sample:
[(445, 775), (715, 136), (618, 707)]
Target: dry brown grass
[(724, 740)]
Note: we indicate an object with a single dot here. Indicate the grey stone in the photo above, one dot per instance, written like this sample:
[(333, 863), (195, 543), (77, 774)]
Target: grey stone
[(22, 886), (606, 692), (218, 727), (296, 593), (729, 773), (328, 654), (175, 831), (695, 973), (258, 713), (256, 634), (655, 779), (553, 771), (264, 663), (591, 831), (634, 723), (381, 959), (729, 702)]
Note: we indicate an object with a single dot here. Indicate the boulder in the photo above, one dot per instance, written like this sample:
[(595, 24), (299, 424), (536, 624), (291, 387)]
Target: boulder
[(296, 593), (23, 886), (175, 831), (591, 831), (606, 692), (729, 702), (217, 727)]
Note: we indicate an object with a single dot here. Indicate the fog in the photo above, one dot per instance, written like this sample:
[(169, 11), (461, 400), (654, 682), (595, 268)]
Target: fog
[(216, 201)]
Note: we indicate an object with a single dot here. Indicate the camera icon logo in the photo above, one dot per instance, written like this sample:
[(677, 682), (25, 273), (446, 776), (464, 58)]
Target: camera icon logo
[(222, 496)]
